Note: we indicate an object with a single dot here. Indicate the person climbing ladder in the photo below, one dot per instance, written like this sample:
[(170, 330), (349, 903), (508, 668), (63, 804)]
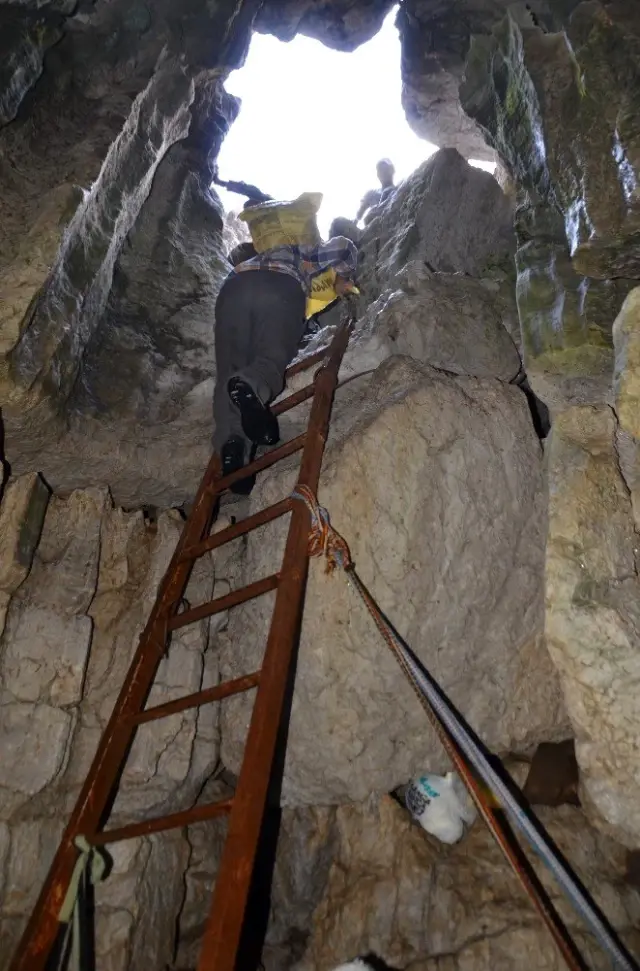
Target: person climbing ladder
[(260, 319)]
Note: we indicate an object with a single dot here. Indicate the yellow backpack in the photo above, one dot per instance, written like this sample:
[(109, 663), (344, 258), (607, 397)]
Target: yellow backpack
[(274, 224)]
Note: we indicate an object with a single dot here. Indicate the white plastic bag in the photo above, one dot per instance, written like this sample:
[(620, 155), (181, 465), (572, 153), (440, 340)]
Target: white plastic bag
[(441, 804)]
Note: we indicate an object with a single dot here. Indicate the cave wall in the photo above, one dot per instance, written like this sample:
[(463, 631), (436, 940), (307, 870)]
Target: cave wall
[(521, 564), (561, 109), (111, 246), (78, 581)]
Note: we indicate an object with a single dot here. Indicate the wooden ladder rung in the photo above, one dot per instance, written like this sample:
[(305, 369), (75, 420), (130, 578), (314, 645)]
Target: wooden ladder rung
[(238, 529), (307, 362), (270, 458), (172, 821), (217, 693), (294, 399), (229, 600)]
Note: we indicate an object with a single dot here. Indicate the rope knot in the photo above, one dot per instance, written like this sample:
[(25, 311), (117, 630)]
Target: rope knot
[(324, 540)]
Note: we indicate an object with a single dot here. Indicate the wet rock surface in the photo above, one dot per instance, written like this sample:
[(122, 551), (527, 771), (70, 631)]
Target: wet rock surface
[(562, 114)]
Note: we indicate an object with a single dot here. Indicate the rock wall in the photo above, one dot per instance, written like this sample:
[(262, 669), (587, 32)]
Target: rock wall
[(394, 891), (562, 114), (111, 246), (112, 250), (360, 879), (78, 580)]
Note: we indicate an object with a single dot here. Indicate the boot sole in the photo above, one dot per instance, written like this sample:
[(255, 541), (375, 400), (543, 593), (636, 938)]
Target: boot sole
[(258, 424)]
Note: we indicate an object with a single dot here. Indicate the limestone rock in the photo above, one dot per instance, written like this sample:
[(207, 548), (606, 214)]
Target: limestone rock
[(563, 114), (25, 37), (592, 620), (21, 516), (363, 878), (560, 112), (449, 321), (52, 346), (110, 247), (72, 626), (341, 24), (436, 484), (35, 740), (435, 38), (393, 891), (138, 903), (448, 215), (45, 646), (22, 278), (626, 330), (565, 318), (626, 335)]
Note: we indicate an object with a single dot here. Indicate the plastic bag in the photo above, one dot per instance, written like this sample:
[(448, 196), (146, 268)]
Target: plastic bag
[(274, 224), (322, 292), (441, 804)]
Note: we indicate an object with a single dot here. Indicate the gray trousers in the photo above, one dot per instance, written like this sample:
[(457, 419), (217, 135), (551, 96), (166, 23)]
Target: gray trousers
[(259, 324)]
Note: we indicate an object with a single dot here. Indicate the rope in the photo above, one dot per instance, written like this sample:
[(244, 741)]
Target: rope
[(323, 539), (90, 868), (486, 786)]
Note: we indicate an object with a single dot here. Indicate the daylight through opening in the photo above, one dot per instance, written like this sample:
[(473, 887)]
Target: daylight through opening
[(316, 119)]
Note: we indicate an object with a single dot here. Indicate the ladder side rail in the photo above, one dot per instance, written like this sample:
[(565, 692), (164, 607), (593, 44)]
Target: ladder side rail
[(226, 918), (41, 931)]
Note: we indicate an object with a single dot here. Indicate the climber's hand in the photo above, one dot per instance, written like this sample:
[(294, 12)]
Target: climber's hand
[(343, 286)]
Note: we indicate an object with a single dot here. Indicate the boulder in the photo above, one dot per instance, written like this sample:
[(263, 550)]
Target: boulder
[(448, 215), (593, 618), (436, 483), (450, 321)]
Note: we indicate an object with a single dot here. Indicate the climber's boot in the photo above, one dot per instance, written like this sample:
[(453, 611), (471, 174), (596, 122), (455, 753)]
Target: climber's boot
[(258, 423), (232, 456)]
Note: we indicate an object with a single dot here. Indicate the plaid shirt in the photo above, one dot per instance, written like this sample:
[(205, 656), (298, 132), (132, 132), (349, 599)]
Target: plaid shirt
[(305, 262)]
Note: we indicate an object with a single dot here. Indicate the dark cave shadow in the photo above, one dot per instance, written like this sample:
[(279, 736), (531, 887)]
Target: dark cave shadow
[(258, 910), (59, 958), (5, 474), (540, 415)]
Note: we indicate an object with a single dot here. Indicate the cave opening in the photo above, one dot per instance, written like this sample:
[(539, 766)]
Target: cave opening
[(317, 119)]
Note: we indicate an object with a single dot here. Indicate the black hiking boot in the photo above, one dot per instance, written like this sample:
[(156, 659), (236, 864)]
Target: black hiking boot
[(232, 455), (258, 423)]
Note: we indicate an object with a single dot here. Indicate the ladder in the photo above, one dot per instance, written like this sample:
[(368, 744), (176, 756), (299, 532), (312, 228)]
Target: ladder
[(246, 809)]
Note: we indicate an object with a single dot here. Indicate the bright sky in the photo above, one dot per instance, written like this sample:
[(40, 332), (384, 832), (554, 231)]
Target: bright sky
[(317, 120)]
